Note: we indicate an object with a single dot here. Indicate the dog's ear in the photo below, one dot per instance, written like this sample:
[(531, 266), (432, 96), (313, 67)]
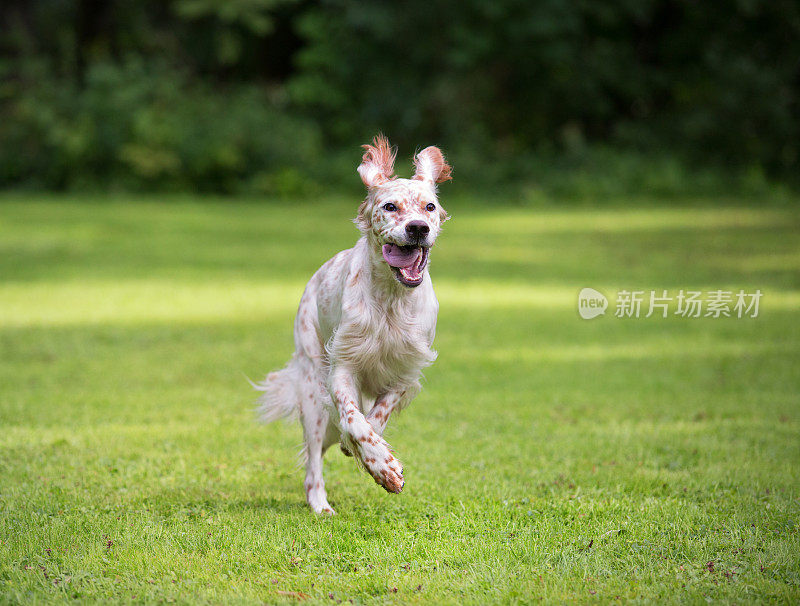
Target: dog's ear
[(431, 166), (377, 164)]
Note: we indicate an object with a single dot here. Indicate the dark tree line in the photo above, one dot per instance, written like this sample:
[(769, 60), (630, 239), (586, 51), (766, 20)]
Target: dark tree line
[(219, 93)]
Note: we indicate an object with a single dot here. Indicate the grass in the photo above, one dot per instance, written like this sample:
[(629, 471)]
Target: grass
[(549, 458)]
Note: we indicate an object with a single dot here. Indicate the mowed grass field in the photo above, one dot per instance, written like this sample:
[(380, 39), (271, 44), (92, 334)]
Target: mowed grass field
[(549, 458)]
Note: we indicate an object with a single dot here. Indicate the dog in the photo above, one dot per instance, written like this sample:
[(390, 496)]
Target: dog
[(365, 325)]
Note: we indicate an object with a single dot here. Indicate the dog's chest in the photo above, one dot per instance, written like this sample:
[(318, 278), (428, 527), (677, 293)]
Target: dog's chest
[(386, 349)]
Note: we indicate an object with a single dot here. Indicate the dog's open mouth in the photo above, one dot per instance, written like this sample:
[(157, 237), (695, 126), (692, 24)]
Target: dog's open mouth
[(407, 262)]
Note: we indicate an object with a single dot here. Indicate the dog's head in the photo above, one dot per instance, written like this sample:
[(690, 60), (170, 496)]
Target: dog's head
[(403, 215)]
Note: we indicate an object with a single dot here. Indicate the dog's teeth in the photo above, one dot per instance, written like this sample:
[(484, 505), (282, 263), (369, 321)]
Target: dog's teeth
[(409, 274)]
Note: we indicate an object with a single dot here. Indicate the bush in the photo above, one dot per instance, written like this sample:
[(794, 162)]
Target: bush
[(140, 127), (716, 82), (597, 173)]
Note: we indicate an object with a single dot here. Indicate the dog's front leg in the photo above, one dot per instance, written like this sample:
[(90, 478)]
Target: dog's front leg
[(378, 417), (361, 438)]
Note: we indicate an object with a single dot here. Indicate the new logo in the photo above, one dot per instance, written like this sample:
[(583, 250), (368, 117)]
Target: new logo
[(591, 303)]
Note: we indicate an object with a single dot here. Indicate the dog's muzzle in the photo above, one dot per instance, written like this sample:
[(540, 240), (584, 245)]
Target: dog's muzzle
[(407, 262)]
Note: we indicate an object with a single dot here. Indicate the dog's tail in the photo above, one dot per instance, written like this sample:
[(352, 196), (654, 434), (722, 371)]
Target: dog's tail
[(279, 398)]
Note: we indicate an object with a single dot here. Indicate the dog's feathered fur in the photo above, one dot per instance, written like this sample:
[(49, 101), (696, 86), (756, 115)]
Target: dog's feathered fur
[(363, 332)]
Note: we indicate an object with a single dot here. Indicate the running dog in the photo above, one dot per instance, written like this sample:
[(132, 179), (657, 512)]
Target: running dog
[(365, 325)]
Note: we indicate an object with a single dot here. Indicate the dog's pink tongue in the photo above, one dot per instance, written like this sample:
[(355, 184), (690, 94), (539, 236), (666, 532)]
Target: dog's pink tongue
[(397, 257)]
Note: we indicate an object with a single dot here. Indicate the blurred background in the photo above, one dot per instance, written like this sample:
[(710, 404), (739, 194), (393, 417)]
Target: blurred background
[(272, 97)]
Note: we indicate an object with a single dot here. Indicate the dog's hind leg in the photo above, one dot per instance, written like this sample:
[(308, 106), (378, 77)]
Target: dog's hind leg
[(314, 483), (315, 416)]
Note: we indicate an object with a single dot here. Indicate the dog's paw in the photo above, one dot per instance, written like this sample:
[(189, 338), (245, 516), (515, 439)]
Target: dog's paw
[(391, 476), (324, 511), (319, 505), (317, 499), (377, 458)]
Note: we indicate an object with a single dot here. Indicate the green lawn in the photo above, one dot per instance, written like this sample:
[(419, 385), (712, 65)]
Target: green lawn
[(548, 458)]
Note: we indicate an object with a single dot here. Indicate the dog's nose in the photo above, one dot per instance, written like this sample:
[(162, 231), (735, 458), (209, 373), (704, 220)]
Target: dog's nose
[(417, 230)]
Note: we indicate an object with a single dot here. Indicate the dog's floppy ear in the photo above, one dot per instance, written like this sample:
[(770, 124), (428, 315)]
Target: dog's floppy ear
[(377, 164), (431, 166)]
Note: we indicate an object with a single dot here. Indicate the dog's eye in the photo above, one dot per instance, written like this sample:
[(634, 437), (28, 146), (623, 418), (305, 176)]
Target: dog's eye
[(389, 207), (431, 207)]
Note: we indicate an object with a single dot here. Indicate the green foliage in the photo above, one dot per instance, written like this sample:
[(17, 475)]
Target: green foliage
[(230, 17), (138, 127), (548, 458), (715, 81), (243, 95), (603, 174)]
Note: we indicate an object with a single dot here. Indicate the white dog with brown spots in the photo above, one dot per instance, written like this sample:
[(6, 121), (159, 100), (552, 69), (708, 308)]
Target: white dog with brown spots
[(365, 325)]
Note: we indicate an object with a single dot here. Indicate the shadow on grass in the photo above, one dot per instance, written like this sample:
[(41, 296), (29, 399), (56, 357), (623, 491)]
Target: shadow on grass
[(180, 502)]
